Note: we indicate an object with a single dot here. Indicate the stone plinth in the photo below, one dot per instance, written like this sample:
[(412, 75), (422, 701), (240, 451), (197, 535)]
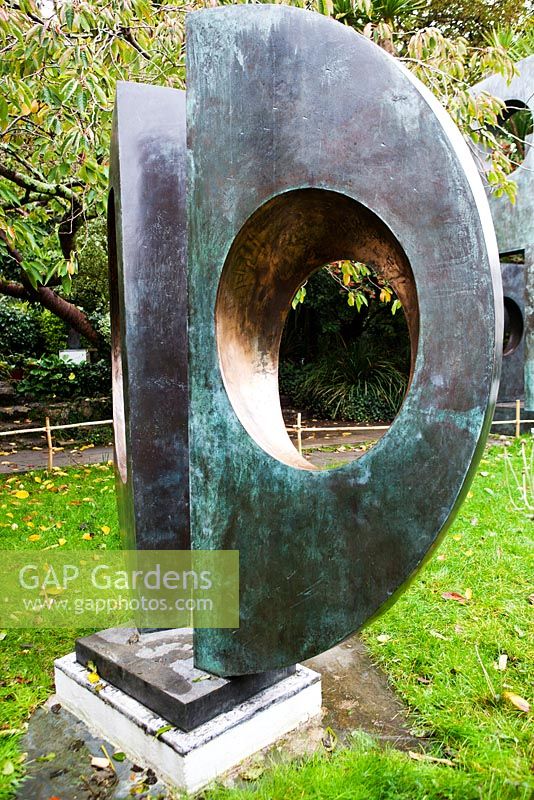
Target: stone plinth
[(189, 760), (157, 670)]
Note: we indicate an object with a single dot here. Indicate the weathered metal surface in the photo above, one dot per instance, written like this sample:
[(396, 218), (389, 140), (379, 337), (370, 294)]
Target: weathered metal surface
[(307, 143), (511, 386), (514, 224), (148, 288), (529, 328)]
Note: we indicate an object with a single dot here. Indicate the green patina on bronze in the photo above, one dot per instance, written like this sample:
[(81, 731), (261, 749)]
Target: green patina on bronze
[(307, 143)]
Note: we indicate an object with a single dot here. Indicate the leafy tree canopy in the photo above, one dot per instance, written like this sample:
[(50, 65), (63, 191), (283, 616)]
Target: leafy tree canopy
[(59, 65), (474, 19)]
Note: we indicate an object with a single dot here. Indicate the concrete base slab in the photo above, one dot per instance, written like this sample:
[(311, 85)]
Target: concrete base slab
[(189, 760), (157, 669)]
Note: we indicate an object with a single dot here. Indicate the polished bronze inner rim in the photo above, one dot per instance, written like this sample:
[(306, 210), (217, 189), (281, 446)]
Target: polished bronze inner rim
[(119, 424), (277, 249)]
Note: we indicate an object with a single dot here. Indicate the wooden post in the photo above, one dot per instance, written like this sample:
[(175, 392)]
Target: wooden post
[(517, 419), (299, 432), (49, 443)]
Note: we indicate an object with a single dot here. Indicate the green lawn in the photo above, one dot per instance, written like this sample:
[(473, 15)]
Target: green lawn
[(73, 509), (442, 654)]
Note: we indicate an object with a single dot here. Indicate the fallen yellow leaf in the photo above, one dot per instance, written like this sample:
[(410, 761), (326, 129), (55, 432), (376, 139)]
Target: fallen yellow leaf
[(87, 537), (61, 542), (516, 700), (105, 529), (22, 494), (34, 537)]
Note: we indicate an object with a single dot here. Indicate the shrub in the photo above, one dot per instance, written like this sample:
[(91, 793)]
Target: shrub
[(19, 329), (52, 378), (355, 381), (54, 332), (289, 378)]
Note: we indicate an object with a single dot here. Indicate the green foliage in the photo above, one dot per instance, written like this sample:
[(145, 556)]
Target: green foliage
[(54, 333), (59, 70), (357, 382), (19, 331), (322, 315), (472, 18), (91, 288), (51, 377), (290, 376), (345, 361), (515, 126), (29, 331), (59, 77)]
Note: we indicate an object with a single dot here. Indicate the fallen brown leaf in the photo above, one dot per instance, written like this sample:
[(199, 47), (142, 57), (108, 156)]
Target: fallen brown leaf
[(459, 598)]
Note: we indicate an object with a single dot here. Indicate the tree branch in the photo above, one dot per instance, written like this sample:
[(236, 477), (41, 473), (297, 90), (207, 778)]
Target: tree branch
[(13, 252), (69, 227), (23, 162), (128, 36), (46, 296), (35, 185), (13, 289)]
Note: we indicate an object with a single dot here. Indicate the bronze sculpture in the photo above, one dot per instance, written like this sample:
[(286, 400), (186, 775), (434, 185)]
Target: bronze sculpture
[(306, 144)]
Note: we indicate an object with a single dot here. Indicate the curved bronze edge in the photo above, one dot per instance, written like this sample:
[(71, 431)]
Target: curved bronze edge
[(149, 315), (282, 243)]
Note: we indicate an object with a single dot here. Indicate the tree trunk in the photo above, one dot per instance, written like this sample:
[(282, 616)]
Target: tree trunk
[(69, 313), (47, 297)]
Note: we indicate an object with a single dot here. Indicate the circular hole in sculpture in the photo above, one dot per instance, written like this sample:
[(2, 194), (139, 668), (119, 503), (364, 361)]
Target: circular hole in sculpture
[(344, 362), (514, 131), (119, 424), (513, 327), (281, 245)]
